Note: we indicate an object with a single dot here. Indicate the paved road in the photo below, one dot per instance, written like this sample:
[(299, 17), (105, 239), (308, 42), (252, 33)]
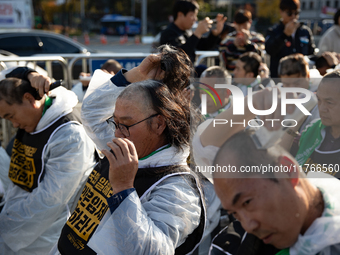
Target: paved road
[(114, 44)]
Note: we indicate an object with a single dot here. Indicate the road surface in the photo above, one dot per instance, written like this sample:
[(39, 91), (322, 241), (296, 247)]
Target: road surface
[(115, 44)]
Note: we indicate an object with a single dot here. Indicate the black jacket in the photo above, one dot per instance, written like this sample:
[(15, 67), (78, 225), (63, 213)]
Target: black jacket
[(187, 41), (279, 45)]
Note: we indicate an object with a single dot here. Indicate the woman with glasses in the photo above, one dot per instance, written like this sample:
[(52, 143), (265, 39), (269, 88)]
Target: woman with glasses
[(142, 197), (289, 36)]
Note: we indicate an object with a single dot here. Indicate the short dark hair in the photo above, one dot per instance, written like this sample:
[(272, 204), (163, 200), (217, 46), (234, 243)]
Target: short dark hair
[(184, 6), (174, 109), (111, 65), (289, 5), (252, 62), (293, 64), (336, 17), (321, 62), (12, 90), (242, 16)]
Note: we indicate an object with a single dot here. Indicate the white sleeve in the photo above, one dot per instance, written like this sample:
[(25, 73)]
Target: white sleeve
[(78, 90), (157, 225), (203, 156), (4, 167), (98, 106), (27, 215), (6, 71), (325, 43)]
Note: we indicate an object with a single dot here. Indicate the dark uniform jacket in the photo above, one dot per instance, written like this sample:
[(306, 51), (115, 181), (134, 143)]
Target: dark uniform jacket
[(279, 45), (187, 41)]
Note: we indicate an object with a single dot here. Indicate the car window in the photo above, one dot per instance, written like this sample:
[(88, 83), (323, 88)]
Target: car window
[(55, 45), (20, 45)]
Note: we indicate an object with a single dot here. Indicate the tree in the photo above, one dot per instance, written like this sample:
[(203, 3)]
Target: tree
[(268, 9)]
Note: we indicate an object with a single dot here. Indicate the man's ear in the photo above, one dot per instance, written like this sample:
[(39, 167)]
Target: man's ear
[(30, 99), (159, 124), (292, 167), (281, 12), (180, 15), (250, 75), (227, 93)]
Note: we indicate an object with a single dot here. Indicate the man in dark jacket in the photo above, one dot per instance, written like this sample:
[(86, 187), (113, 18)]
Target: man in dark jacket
[(179, 33), (289, 36)]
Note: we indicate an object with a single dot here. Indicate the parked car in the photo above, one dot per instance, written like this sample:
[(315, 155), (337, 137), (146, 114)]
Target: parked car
[(29, 42)]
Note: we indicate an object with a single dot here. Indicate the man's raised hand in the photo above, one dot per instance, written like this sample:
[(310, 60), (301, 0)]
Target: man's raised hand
[(123, 164)]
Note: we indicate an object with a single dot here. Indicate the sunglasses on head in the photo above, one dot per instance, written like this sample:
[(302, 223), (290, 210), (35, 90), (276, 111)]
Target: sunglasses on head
[(290, 13)]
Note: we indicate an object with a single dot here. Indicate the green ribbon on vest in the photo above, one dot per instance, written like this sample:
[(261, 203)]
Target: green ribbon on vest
[(153, 153), (48, 103), (309, 141)]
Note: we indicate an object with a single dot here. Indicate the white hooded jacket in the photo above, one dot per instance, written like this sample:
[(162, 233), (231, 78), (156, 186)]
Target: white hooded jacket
[(4, 166), (30, 222), (151, 225)]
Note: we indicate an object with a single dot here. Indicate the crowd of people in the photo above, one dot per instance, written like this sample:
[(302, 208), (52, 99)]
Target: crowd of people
[(154, 164)]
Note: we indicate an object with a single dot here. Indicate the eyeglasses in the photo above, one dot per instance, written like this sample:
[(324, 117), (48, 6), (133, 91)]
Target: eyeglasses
[(290, 13), (124, 128)]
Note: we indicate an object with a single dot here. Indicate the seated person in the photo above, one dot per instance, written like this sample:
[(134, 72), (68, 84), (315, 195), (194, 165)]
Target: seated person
[(251, 72), (240, 41), (303, 201), (318, 143), (294, 73), (51, 159), (111, 66), (145, 193), (179, 33)]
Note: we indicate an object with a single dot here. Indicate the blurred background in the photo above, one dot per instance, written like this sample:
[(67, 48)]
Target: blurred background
[(63, 38), (146, 17)]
